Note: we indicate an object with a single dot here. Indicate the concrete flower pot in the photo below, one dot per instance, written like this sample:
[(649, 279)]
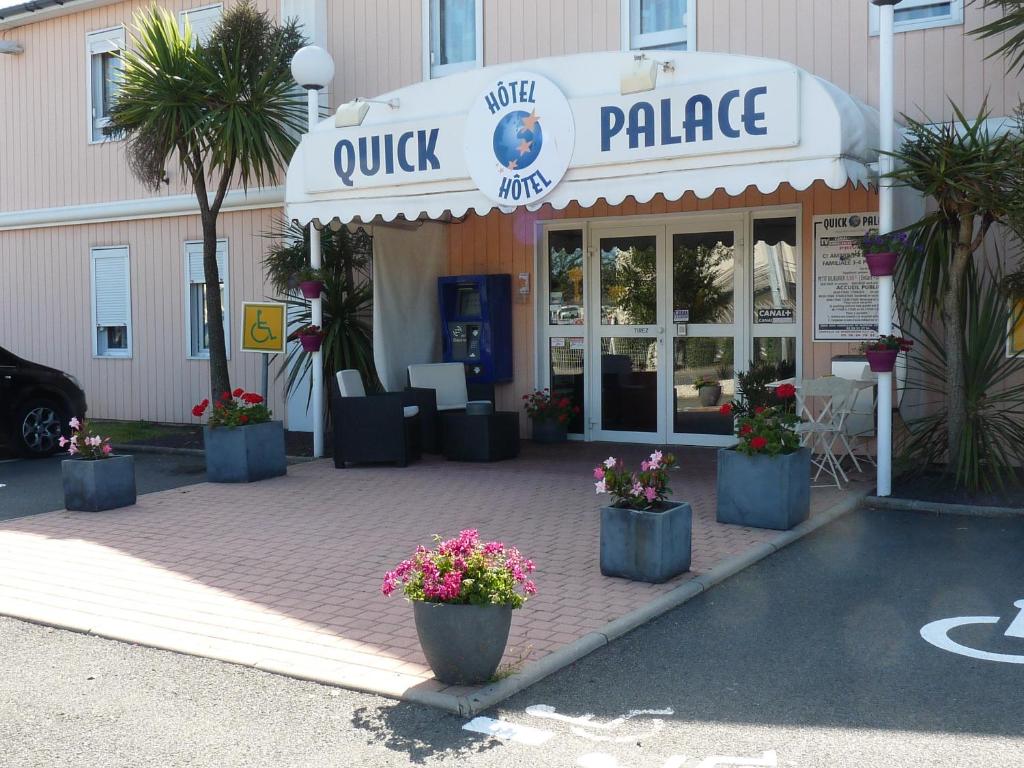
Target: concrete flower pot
[(244, 454), (764, 491), (641, 545), (709, 395), (549, 431), (93, 485), (463, 643)]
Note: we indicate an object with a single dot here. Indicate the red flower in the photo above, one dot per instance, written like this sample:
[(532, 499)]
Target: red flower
[(759, 410), (225, 395), (238, 392), (575, 409), (198, 410), (563, 403), (562, 419), (746, 429), (758, 443), (252, 398), (726, 409), (785, 391), (243, 418)]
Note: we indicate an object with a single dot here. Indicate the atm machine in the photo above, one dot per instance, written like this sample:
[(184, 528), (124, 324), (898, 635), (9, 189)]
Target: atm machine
[(476, 325)]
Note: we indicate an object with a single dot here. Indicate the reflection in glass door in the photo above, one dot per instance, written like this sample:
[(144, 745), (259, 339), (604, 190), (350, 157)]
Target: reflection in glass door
[(629, 337), (704, 272)]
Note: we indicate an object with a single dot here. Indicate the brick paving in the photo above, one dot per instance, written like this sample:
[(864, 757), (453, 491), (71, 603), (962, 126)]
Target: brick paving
[(285, 574)]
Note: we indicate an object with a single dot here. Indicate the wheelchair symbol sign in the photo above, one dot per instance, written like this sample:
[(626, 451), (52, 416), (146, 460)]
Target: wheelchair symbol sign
[(937, 633), (263, 327)]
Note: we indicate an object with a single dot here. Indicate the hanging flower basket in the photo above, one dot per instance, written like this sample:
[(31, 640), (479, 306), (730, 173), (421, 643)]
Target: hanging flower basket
[(309, 336), (311, 289), (881, 264), (882, 360), (311, 343)]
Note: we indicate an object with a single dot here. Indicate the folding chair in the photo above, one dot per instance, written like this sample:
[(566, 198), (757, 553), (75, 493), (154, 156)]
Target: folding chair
[(823, 406)]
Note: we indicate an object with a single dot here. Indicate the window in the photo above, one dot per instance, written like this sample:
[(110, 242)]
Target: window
[(201, 21), (103, 51), (111, 302), (454, 36), (658, 24), (922, 14), (197, 327)]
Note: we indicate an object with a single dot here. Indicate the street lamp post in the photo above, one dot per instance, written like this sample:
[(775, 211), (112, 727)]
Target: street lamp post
[(313, 69), (887, 124)]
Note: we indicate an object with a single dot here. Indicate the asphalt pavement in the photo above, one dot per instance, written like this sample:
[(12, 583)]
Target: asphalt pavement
[(812, 657), (30, 486)]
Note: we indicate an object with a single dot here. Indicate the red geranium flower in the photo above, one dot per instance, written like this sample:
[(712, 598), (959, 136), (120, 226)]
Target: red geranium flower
[(198, 410), (243, 418), (758, 443), (726, 409), (252, 398), (238, 392), (746, 429), (759, 410), (785, 391), (225, 395)]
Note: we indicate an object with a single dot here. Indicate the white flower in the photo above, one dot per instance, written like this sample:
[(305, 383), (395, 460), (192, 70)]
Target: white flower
[(74, 423), (656, 459), (74, 440), (601, 487), (610, 462)]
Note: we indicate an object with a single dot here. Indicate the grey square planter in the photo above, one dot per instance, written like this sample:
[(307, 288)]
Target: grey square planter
[(764, 491), (93, 485), (646, 546), (244, 454)]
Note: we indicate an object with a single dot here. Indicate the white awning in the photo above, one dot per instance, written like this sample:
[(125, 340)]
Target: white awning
[(713, 121)]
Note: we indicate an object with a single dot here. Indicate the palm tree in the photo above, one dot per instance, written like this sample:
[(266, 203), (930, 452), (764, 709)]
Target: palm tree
[(224, 110), (1011, 24)]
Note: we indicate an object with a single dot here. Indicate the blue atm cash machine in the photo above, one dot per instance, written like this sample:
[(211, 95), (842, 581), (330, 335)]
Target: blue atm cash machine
[(476, 325)]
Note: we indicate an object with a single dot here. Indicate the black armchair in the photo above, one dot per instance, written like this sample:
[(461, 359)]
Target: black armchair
[(373, 428)]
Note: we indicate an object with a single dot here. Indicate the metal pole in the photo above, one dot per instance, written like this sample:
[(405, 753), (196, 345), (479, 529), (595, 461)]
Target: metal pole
[(886, 15), (265, 378), (316, 305)]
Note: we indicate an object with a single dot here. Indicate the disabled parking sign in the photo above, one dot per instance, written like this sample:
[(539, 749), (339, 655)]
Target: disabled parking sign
[(263, 324)]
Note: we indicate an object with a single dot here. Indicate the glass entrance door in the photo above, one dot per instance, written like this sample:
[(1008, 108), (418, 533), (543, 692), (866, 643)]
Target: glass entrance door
[(627, 300), (704, 334)]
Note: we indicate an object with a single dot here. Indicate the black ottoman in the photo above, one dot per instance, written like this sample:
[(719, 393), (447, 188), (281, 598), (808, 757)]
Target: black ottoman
[(485, 437)]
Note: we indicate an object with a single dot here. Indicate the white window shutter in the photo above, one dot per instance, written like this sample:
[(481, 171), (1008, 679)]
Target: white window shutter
[(111, 288), (202, 21), (196, 273)]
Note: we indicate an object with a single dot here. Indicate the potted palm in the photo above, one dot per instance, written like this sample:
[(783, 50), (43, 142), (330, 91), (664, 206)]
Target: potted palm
[(463, 593), (549, 415), (94, 479), (311, 282), (242, 443), (310, 336), (881, 354), (644, 536), (764, 480), (708, 390)]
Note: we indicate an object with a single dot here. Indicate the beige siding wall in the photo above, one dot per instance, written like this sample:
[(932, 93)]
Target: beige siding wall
[(500, 243), (47, 274), (46, 159)]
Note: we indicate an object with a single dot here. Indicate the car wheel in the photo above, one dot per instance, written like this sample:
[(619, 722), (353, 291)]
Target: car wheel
[(38, 426)]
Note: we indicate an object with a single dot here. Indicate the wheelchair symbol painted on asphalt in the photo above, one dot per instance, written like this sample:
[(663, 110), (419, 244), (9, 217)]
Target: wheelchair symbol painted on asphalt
[(937, 633)]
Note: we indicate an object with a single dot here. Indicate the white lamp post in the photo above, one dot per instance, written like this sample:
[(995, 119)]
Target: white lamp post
[(313, 69), (887, 123)]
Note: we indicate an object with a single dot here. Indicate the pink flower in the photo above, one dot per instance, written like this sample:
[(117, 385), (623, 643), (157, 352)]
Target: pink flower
[(645, 465), (650, 493), (72, 448), (610, 462), (637, 488), (599, 473), (74, 440), (494, 548), (656, 458), (529, 588), (74, 423), (600, 487), (63, 441), (107, 449)]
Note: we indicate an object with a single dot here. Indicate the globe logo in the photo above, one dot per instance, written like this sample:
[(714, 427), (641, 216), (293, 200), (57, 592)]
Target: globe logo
[(518, 139)]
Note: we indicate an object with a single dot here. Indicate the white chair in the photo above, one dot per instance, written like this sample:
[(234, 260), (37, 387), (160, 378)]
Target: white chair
[(448, 380), (823, 406)]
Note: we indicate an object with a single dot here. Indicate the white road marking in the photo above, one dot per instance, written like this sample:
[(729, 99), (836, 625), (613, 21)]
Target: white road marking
[(768, 759), (502, 729), (937, 633), (597, 760), (580, 725)]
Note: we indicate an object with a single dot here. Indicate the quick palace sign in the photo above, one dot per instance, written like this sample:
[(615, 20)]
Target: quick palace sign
[(520, 135)]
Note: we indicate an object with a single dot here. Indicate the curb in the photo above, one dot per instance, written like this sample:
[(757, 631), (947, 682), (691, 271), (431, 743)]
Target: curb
[(169, 451), (938, 507), (485, 698)]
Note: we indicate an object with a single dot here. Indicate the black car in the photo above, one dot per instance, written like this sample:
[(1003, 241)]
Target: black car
[(36, 403)]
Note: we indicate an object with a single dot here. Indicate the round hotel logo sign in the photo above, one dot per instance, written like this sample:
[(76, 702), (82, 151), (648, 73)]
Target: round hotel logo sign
[(519, 139)]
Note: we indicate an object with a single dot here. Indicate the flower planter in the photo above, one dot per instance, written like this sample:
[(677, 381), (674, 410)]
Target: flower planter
[(244, 454), (709, 395), (311, 289), (463, 643), (881, 264), (882, 360), (549, 431), (311, 343), (641, 545), (764, 491), (99, 484)]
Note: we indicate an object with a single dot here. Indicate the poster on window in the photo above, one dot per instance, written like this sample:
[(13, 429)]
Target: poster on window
[(845, 293)]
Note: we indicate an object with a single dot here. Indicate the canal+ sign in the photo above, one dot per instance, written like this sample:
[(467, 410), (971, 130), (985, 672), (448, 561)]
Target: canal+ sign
[(519, 139), (521, 134)]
